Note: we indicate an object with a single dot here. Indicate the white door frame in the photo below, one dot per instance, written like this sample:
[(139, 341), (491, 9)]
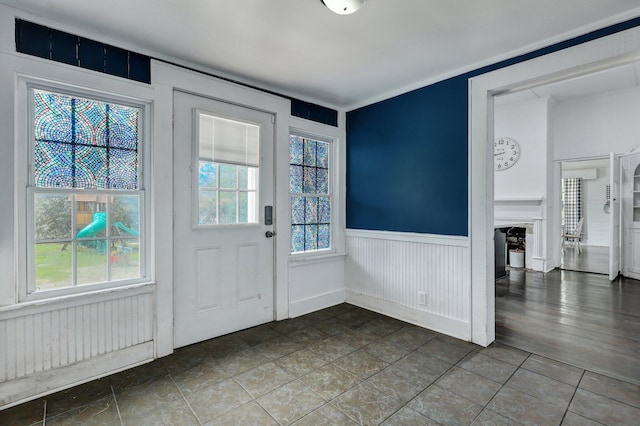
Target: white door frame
[(606, 52), (166, 79)]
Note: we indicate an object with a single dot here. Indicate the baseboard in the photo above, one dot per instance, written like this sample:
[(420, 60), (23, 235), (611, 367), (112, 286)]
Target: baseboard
[(315, 303), (30, 387), (454, 328)]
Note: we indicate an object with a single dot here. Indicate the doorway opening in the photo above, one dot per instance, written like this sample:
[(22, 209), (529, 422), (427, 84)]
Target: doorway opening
[(584, 215)]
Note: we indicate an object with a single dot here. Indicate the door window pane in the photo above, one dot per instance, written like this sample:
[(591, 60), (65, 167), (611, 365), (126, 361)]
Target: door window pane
[(228, 176), (227, 194), (228, 208), (207, 208)]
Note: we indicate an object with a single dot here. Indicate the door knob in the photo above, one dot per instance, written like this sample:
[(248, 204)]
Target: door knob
[(269, 234)]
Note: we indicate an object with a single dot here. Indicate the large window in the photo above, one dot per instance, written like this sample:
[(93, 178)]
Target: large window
[(310, 190), (85, 195)]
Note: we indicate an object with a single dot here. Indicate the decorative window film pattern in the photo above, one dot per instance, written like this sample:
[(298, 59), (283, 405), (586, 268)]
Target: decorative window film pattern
[(310, 194), (81, 143), (572, 203)]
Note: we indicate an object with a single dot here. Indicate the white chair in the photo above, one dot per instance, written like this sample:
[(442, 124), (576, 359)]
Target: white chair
[(574, 237)]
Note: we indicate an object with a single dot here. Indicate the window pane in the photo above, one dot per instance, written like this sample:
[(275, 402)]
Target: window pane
[(53, 165), (243, 177), (295, 179), (123, 127), (90, 167), (324, 210), (309, 152), (208, 176), (89, 122), (91, 261), (323, 181), (81, 143), (124, 258), (52, 217), (228, 176), (53, 265), (123, 170), (208, 208), (323, 237), (311, 210), (297, 238), (252, 207), (309, 180), (311, 237), (88, 223), (53, 117), (295, 150), (243, 207), (322, 155), (228, 207), (124, 214), (253, 173), (297, 210)]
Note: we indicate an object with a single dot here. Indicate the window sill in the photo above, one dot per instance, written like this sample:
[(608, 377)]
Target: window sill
[(76, 299), (309, 258)]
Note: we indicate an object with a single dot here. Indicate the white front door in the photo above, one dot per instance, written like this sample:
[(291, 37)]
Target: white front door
[(223, 183), (614, 216)]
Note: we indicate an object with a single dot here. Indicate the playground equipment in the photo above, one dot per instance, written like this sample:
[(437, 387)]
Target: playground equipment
[(99, 224)]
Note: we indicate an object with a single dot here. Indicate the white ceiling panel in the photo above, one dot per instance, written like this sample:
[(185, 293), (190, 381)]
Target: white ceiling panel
[(300, 48)]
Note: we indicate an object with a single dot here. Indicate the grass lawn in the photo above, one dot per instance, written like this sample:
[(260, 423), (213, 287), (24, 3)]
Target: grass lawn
[(54, 265)]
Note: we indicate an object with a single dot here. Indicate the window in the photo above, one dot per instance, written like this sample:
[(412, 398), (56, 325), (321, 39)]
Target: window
[(310, 190), (84, 192), (229, 161)]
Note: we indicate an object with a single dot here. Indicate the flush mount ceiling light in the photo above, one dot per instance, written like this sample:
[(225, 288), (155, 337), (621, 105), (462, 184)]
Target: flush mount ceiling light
[(343, 7)]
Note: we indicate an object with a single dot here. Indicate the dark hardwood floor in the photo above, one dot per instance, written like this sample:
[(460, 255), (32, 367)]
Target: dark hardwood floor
[(592, 259), (574, 317)]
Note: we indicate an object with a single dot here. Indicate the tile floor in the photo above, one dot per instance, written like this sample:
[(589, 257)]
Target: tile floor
[(341, 366)]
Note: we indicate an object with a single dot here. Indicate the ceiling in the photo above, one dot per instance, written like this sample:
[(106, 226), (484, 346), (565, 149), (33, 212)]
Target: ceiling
[(300, 48)]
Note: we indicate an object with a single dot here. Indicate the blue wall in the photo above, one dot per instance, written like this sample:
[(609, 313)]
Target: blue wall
[(407, 156)]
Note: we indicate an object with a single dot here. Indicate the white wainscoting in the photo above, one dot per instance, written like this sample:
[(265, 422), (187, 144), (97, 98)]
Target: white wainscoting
[(385, 271), (315, 283), (53, 344)]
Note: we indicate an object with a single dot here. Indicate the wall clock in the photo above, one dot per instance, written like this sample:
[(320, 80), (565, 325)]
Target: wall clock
[(506, 153)]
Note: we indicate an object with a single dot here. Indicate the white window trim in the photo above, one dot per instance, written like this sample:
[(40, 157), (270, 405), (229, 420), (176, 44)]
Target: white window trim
[(321, 135), (23, 183)]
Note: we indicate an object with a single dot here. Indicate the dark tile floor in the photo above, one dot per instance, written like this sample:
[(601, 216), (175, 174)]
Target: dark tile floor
[(341, 366)]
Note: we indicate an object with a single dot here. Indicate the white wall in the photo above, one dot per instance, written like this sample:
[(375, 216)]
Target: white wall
[(526, 123), (386, 272), (595, 126), (596, 225)]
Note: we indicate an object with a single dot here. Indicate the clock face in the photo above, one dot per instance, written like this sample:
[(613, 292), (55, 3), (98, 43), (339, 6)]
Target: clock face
[(506, 153)]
